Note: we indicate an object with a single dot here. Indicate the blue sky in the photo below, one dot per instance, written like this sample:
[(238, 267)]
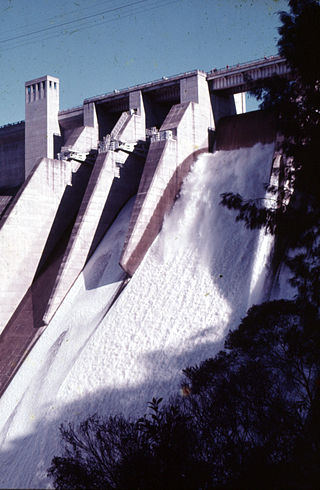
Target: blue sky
[(96, 46)]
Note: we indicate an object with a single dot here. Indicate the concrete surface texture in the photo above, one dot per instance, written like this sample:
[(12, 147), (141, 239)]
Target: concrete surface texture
[(12, 155), (245, 130), (83, 231), (41, 125), (130, 127), (185, 131), (25, 228), (83, 138)]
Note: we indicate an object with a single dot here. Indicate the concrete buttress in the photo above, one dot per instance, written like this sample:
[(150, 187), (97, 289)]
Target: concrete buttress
[(114, 180), (182, 136), (25, 228)]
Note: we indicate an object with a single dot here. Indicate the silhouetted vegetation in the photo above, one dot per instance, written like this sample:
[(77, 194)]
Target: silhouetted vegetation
[(151, 452), (250, 417)]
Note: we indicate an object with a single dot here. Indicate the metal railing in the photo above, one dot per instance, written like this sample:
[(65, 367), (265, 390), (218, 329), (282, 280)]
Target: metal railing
[(267, 60), (134, 88)]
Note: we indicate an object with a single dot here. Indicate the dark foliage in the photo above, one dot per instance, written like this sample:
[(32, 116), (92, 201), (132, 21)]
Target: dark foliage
[(257, 403), (251, 418), (154, 452)]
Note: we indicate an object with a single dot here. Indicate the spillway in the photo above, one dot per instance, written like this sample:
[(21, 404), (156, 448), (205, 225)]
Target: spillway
[(196, 282)]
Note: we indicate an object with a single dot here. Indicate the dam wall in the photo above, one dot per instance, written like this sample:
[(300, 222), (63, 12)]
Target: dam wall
[(245, 130), (26, 324), (46, 128), (182, 136), (138, 141), (105, 188), (195, 284), (12, 155), (114, 180), (25, 229)]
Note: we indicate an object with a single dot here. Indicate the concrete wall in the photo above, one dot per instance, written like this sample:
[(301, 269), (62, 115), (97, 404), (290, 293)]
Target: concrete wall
[(146, 218), (82, 139), (12, 155), (25, 228), (85, 137), (222, 105), (83, 230), (245, 130)]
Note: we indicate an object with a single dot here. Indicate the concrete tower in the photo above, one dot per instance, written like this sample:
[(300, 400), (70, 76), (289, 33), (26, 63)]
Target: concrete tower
[(41, 119)]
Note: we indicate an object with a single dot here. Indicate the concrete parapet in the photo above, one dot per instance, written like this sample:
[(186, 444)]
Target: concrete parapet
[(25, 228)]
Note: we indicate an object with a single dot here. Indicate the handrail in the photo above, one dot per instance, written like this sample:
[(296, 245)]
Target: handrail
[(145, 85), (242, 66)]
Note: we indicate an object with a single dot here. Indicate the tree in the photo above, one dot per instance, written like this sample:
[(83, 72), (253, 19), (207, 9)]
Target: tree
[(296, 105), (257, 402), (251, 420), (154, 452)]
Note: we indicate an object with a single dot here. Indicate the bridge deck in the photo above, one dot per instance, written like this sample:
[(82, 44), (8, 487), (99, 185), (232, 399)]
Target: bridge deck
[(237, 77)]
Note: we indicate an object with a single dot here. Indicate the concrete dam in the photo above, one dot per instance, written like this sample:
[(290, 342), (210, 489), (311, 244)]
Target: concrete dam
[(119, 266), (66, 175)]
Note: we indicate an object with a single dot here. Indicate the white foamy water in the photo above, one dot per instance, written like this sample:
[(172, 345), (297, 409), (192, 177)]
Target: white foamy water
[(197, 281)]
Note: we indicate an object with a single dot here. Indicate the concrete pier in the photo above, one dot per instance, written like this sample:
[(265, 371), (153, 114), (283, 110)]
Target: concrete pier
[(182, 137), (25, 228), (114, 180), (83, 231)]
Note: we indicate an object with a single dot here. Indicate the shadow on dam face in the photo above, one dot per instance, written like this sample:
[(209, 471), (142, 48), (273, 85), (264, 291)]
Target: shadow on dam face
[(122, 190), (31, 471), (245, 130), (24, 326), (232, 132)]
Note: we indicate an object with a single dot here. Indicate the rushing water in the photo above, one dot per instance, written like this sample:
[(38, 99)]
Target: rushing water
[(198, 279)]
